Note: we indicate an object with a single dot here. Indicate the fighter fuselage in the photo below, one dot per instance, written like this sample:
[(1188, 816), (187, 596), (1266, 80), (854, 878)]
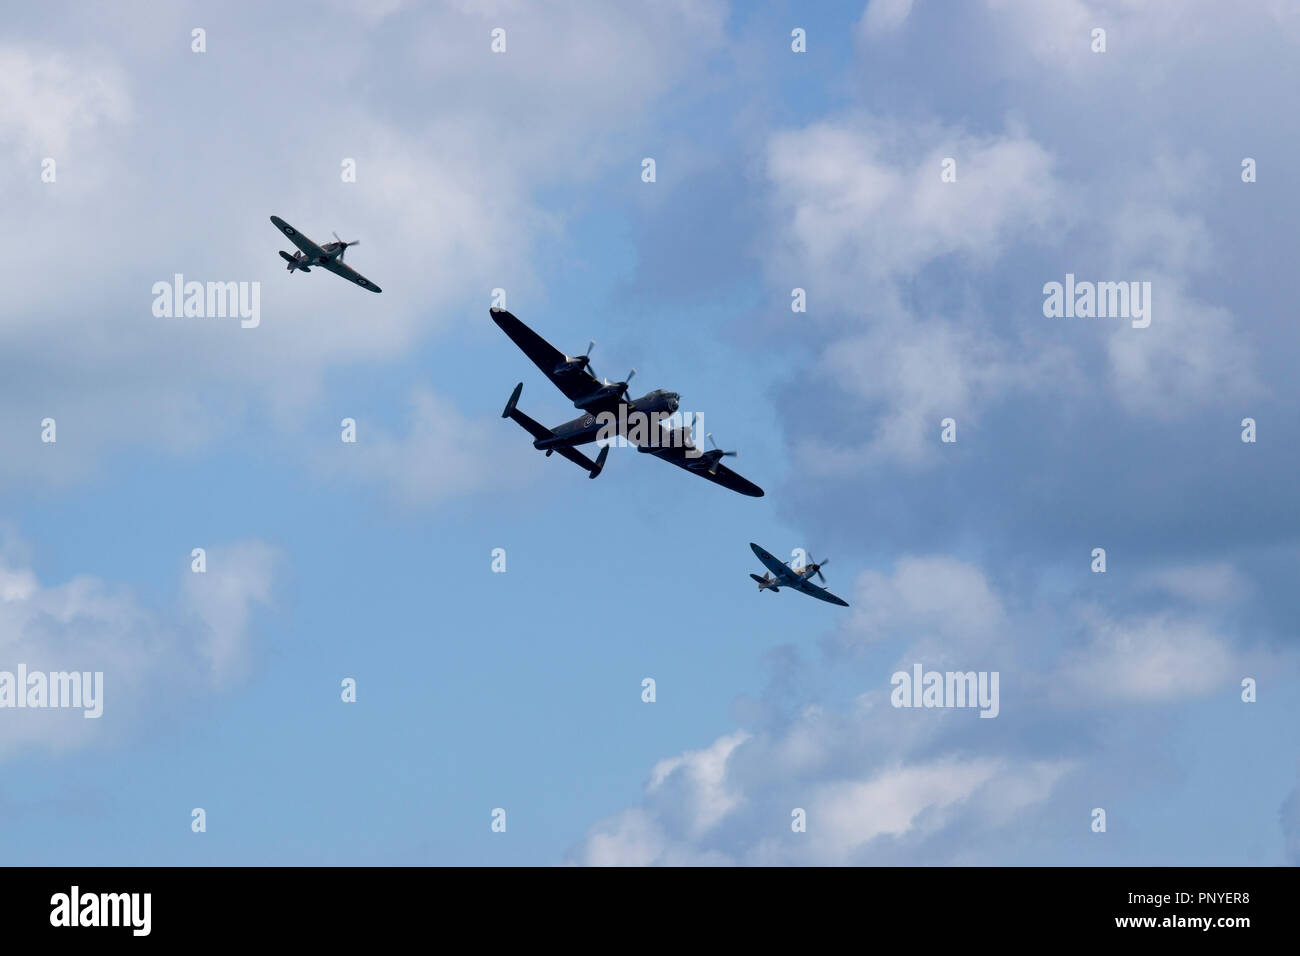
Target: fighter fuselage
[(299, 260)]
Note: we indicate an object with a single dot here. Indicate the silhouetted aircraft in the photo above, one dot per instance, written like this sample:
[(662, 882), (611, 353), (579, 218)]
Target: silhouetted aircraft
[(328, 256), (787, 577), (604, 404)]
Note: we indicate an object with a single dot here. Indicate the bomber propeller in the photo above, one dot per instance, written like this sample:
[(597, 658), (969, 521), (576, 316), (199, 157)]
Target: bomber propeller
[(721, 453), (623, 384), (717, 454)]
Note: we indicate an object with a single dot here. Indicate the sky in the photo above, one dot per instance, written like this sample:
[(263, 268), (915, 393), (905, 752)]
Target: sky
[(920, 170)]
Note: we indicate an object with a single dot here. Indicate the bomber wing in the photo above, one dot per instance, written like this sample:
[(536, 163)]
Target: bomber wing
[(297, 238), (719, 475), (674, 446), (575, 383)]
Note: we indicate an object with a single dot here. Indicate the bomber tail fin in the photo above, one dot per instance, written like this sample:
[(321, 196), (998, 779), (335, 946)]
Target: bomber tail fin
[(514, 399), (541, 432), (534, 428)]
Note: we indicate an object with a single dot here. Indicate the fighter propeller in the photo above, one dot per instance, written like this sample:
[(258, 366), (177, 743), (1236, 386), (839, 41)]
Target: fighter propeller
[(816, 568), (343, 246)]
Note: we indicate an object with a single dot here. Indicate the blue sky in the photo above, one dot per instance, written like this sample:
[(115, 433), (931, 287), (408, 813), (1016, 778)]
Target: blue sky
[(522, 690)]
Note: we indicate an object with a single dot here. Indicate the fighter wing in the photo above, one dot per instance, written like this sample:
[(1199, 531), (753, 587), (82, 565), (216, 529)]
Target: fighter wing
[(351, 274), (807, 587), (575, 384), (297, 238), (783, 572)]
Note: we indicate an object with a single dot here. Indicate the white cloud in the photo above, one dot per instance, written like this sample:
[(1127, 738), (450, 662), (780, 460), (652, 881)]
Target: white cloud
[(52, 105), (931, 600), (852, 813), (632, 838), (859, 202), (883, 16), (699, 779), (443, 454), (1217, 583), (1157, 657), (846, 811), (920, 373), (222, 598), (882, 784), (455, 149), (149, 658), (1193, 354), (1058, 35), (859, 215), (635, 838), (859, 210)]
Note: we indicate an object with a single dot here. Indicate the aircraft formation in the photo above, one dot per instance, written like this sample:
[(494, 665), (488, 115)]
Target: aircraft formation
[(607, 412)]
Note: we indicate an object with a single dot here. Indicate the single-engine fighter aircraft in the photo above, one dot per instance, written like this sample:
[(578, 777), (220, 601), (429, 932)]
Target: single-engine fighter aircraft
[(787, 577), (602, 402), (328, 256)]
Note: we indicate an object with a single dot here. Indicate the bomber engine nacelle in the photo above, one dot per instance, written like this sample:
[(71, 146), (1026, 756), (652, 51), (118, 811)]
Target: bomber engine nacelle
[(575, 364), (709, 460), (571, 365), (602, 395)]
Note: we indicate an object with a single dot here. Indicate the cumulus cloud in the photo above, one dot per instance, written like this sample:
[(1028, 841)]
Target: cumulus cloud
[(448, 202), (698, 779), (921, 372), (52, 104), (891, 802), (1058, 36), (924, 301), (1214, 583), (150, 658), (883, 16), (441, 454), (931, 599), (884, 784), (1194, 356), (922, 292), (870, 804), (860, 203), (1156, 657), (221, 599), (862, 213)]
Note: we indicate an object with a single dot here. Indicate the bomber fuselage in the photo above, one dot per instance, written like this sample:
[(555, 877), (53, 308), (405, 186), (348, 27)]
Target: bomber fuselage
[(608, 417)]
